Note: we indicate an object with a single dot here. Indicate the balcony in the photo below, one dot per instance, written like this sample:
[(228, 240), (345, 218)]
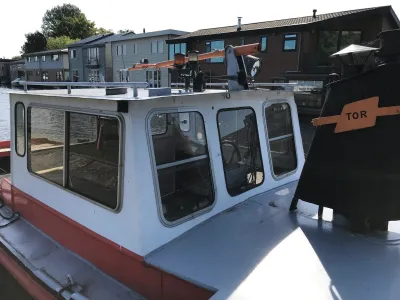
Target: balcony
[(92, 63)]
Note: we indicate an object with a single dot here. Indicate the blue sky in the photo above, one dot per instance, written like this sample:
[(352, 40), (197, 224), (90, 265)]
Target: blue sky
[(23, 16)]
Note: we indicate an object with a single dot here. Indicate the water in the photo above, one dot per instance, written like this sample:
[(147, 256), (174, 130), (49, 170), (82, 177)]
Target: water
[(4, 114)]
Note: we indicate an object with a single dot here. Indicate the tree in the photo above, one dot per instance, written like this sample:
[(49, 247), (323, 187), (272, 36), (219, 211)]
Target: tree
[(35, 42), (60, 42), (67, 20), (122, 31), (102, 30)]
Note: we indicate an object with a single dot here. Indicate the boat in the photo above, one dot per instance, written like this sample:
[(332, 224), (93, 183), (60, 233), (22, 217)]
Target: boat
[(134, 192)]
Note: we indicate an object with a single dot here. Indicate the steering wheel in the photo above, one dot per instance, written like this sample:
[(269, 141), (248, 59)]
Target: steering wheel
[(235, 151)]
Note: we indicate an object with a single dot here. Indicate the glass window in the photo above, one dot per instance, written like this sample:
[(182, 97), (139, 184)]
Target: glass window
[(46, 143), (134, 48), (157, 78), (241, 41), (73, 53), (183, 167), (281, 138), (240, 147), (20, 129), (154, 47), (36, 58), (55, 57), (44, 58), (158, 124), (264, 44), (93, 156), (59, 76), (350, 37), (183, 48), (160, 46), (45, 76), (327, 45), (290, 42), (212, 46)]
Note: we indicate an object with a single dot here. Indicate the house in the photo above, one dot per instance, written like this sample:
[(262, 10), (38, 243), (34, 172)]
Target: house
[(49, 65), (295, 49), (88, 59), (17, 70), (5, 71), (128, 49)]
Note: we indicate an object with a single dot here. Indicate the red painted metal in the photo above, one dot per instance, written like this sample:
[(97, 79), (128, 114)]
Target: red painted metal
[(3, 146), (120, 263)]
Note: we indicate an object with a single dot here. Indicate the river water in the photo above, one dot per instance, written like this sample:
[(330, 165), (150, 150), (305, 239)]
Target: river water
[(4, 114)]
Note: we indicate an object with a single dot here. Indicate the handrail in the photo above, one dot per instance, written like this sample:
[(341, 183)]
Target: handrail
[(261, 84), (68, 84)]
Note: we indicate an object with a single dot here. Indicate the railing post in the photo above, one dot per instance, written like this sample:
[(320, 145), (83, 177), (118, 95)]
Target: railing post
[(25, 87), (135, 91), (69, 89)]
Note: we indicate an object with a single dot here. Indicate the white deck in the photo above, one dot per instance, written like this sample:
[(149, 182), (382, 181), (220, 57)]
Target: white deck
[(258, 250)]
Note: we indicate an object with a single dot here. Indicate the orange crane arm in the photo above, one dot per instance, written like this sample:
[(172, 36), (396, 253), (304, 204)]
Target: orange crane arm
[(239, 50)]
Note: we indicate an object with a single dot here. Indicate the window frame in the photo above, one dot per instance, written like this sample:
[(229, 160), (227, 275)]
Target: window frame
[(43, 58), (271, 165), (73, 54), (209, 61), (121, 152), (15, 129), (153, 163), (266, 44), (220, 147), (289, 39)]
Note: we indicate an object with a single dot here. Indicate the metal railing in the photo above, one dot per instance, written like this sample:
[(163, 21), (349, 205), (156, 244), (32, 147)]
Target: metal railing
[(69, 85), (287, 86)]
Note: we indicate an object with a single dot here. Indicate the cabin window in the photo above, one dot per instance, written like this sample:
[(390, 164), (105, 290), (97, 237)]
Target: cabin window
[(183, 165), (20, 129), (240, 148), (46, 143), (281, 138), (93, 156)]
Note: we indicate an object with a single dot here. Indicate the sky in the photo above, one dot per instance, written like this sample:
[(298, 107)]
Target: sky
[(24, 16)]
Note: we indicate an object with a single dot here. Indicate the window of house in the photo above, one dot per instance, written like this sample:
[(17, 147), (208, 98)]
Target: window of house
[(121, 50), (154, 47), (36, 58), (93, 53), (349, 37), (157, 78), (281, 138), (183, 167), (75, 75), (290, 42), (73, 53), (241, 42), (90, 148), (20, 129), (29, 59), (93, 157), (212, 46), (264, 43), (37, 73), (330, 42), (94, 75), (44, 58), (59, 76), (46, 143), (240, 148), (176, 48), (160, 46), (134, 48), (45, 76), (55, 57)]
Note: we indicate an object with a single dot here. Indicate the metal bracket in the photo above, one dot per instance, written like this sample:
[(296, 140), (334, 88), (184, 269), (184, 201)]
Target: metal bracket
[(232, 69)]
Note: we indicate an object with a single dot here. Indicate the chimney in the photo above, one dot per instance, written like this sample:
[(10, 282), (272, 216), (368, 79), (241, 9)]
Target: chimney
[(144, 30), (314, 13), (239, 24)]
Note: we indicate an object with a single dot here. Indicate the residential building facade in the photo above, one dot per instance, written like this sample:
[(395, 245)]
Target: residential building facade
[(128, 49), (17, 70), (5, 71), (50, 65), (296, 49), (90, 59)]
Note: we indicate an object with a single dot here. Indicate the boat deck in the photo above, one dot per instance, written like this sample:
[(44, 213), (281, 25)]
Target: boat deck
[(258, 250), (51, 262)]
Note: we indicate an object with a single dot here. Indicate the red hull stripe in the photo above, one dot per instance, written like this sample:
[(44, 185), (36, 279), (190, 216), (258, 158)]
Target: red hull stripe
[(120, 263), (24, 278)]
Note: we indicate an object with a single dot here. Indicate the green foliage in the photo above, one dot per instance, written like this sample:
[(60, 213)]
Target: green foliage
[(35, 42), (59, 42), (102, 30), (67, 20)]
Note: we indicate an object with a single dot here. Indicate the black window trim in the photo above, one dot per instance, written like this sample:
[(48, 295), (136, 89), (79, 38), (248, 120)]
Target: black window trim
[(259, 142), (289, 39), (157, 194), (208, 61), (121, 153), (266, 46), (271, 165), (15, 129)]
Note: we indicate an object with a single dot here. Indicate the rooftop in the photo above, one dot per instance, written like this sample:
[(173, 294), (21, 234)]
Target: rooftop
[(288, 22), (89, 39), (55, 51)]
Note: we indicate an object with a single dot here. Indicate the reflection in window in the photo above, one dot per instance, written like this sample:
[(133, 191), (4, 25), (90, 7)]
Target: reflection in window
[(240, 149), (264, 44), (212, 46), (308, 92), (158, 124), (45, 143), (93, 155), (349, 37), (183, 165), (281, 138), (20, 129), (289, 42)]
